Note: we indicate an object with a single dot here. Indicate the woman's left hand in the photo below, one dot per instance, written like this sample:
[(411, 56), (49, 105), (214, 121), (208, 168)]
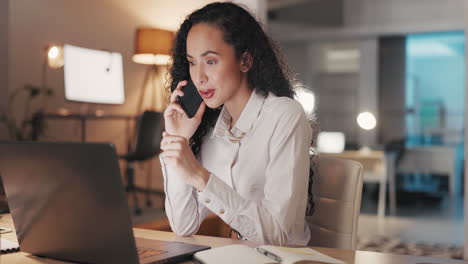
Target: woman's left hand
[(178, 155)]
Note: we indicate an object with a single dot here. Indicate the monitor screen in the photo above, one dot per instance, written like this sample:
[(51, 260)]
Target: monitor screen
[(331, 142), (93, 76)]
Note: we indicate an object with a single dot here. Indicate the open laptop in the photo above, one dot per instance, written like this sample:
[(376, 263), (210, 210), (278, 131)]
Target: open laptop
[(68, 202)]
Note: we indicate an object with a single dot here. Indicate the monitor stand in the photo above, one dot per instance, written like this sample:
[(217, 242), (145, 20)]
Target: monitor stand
[(85, 110)]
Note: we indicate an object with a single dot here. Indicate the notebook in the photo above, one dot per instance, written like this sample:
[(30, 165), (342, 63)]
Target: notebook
[(6, 246), (68, 202), (234, 254)]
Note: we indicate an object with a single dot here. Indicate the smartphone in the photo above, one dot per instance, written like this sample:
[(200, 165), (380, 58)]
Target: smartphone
[(191, 100)]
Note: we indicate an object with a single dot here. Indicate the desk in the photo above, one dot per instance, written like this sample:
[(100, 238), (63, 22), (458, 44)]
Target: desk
[(434, 159), (378, 167), (82, 118), (349, 256)]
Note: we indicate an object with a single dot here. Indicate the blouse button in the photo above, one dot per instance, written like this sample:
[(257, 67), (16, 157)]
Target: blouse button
[(221, 211)]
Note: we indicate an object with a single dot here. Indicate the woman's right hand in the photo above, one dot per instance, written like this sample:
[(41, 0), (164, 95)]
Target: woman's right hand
[(176, 120)]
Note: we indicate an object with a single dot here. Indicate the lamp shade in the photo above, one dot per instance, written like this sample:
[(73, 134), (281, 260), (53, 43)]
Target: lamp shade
[(152, 46)]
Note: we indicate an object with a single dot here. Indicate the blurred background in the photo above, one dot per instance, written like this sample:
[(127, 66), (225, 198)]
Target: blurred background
[(403, 62)]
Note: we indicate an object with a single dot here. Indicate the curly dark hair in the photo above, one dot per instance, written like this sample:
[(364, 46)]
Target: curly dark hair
[(268, 73)]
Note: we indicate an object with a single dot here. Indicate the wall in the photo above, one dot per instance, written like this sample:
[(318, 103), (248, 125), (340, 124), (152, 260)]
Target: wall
[(295, 52), (368, 88), (332, 83), (257, 7), (3, 59), (337, 103), (319, 13), (403, 15), (364, 18)]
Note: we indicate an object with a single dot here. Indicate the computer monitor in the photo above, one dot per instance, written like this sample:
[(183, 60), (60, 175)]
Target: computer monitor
[(330, 142), (93, 76)]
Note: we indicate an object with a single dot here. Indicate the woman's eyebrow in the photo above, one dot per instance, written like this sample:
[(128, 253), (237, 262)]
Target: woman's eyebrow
[(210, 52), (205, 53)]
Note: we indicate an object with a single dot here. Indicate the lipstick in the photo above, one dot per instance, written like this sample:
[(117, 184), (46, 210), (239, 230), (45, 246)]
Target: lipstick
[(207, 94)]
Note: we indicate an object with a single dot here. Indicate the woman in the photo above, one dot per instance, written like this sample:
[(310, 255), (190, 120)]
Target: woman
[(245, 154)]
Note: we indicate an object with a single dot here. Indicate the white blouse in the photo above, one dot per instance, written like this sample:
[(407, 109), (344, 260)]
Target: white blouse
[(259, 175)]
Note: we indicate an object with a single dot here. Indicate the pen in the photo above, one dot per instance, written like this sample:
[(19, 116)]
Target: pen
[(269, 254)]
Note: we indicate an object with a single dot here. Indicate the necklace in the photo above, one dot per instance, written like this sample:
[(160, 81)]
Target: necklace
[(235, 139)]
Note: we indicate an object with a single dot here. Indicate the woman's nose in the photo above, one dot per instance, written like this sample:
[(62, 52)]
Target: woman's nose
[(201, 77)]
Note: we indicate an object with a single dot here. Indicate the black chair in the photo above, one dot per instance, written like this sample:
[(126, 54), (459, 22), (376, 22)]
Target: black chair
[(150, 126)]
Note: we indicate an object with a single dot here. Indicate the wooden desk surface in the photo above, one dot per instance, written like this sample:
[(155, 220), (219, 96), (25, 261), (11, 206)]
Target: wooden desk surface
[(358, 155), (349, 256)]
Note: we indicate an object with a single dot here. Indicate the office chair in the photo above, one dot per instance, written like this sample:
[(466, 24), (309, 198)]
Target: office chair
[(150, 126), (337, 191)]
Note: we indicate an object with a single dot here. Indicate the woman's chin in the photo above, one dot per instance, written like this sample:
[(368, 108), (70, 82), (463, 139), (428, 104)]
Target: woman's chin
[(212, 105)]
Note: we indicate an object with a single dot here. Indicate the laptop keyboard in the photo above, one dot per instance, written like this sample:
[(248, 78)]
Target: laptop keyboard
[(144, 252)]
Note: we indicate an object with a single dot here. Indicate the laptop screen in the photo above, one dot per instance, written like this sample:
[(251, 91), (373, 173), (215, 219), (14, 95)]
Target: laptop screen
[(68, 202)]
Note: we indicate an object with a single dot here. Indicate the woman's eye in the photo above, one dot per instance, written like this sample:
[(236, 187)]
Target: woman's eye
[(191, 63), (211, 62)]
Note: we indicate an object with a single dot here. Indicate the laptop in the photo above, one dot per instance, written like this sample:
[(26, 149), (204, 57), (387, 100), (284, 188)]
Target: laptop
[(68, 202)]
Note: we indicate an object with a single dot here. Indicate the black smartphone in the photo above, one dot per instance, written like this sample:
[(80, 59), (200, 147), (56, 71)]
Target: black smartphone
[(191, 100)]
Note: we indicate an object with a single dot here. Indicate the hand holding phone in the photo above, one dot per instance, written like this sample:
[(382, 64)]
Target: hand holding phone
[(191, 100), (177, 121)]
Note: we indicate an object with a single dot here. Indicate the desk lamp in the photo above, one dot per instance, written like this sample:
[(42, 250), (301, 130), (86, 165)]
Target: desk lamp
[(152, 47), (53, 58)]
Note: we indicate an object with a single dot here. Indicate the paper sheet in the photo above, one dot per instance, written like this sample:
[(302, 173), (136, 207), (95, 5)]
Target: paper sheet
[(297, 255), (7, 245)]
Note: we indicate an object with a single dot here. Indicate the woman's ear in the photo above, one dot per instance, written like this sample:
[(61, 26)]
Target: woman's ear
[(246, 61)]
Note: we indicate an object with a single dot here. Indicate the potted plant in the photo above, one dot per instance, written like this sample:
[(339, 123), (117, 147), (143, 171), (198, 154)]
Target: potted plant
[(22, 128)]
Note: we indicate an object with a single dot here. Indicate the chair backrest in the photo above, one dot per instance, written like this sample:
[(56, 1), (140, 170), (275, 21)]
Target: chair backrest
[(337, 190), (150, 127)]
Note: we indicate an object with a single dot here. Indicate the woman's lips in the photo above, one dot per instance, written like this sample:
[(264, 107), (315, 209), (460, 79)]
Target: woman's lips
[(207, 94)]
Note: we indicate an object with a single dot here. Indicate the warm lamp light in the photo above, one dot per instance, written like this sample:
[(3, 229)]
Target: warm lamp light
[(54, 54), (366, 120), (152, 46)]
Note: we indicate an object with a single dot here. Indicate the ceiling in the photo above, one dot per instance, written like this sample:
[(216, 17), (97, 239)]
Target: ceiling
[(318, 13)]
